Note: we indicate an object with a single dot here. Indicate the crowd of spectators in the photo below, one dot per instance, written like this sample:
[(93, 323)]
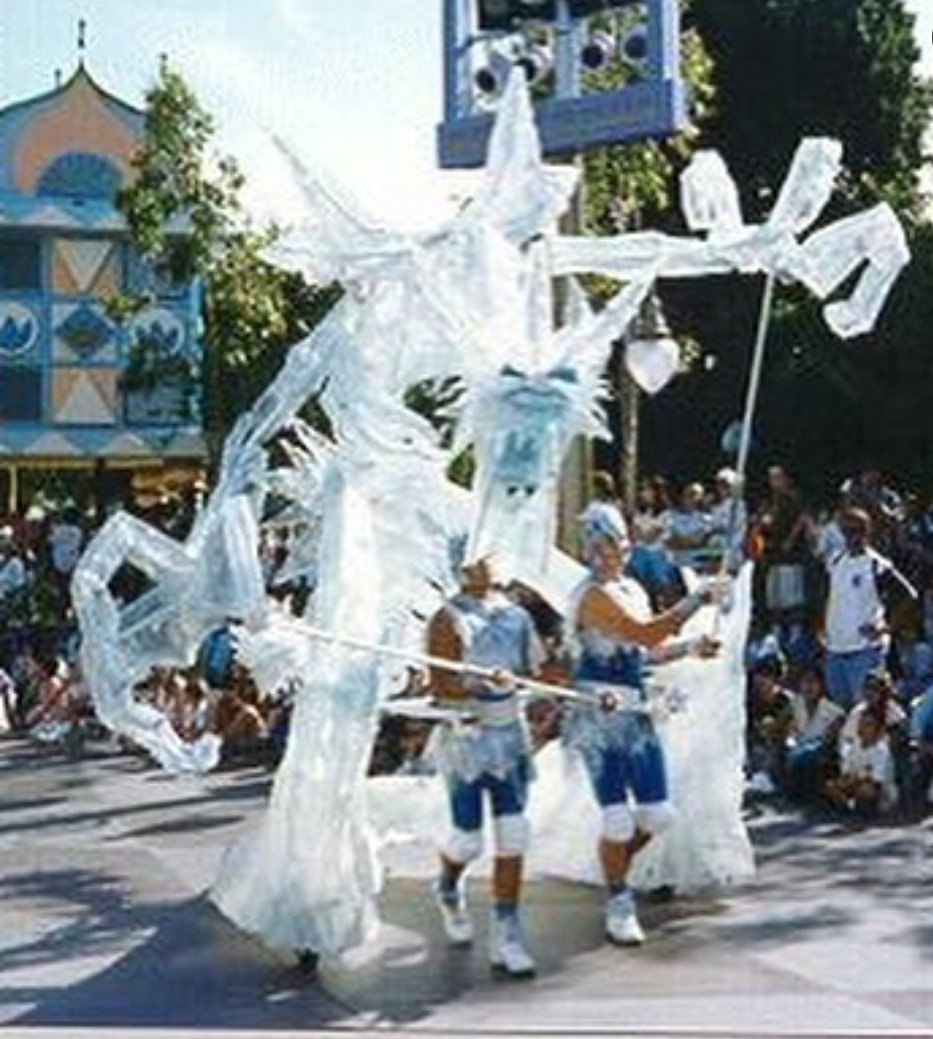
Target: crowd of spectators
[(840, 652)]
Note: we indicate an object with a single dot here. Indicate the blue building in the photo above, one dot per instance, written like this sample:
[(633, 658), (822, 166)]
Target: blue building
[(83, 394)]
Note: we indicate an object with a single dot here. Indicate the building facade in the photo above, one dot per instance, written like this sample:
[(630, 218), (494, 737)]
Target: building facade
[(82, 392)]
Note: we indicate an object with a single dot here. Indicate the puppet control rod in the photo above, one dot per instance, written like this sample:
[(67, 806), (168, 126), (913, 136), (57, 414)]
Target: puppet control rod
[(529, 685)]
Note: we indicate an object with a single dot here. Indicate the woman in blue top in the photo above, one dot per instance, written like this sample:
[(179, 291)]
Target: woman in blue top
[(617, 637)]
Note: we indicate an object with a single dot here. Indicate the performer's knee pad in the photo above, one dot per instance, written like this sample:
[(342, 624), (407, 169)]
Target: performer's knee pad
[(654, 818), (618, 823), (463, 846), (511, 834)]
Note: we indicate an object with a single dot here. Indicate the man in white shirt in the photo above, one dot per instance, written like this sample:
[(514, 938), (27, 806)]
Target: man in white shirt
[(857, 630)]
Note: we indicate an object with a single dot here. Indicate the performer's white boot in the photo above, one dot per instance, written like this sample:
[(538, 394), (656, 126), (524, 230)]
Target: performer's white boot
[(454, 914), (508, 952), (622, 926)]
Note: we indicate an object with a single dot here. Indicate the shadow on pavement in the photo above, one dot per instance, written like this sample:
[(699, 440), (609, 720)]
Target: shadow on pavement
[(194, 970)]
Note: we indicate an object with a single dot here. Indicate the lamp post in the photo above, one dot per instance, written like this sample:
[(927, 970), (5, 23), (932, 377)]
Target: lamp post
[(649, 350)]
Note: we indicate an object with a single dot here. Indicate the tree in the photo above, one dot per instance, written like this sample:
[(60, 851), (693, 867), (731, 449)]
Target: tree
[(785, 69), (187, 220)]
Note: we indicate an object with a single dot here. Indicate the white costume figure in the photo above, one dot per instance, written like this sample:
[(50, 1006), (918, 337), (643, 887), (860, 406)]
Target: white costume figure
[(468, 300), (485, 762)]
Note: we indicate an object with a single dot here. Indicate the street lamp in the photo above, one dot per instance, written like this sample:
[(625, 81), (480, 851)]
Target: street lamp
[(652, 355), (652, 359)]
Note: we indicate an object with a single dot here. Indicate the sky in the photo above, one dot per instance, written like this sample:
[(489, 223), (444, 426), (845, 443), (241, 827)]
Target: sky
[(356, 95)]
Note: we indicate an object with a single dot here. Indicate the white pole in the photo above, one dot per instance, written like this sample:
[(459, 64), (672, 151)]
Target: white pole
[(748, 417), (442, 663), (754, 378)]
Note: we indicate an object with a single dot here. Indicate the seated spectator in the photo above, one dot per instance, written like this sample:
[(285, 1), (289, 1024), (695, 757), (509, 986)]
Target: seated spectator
[(51, 718), (7, 702), (811, 741), (237, 718), (921, 751), (879, 696), (193, 708), (770, 719), (412, 742), (865, 784)]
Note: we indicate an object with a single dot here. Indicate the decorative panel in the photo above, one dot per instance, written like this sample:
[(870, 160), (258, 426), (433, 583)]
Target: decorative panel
[(86, 266), (21, 394), (20, 326), (20, 263), (168, 404), (84, 396), (80, 175), (159, 331), (83, 334)]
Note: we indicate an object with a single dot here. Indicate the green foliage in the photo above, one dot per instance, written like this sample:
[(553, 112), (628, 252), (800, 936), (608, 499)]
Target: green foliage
[(632, 185), (839, 68), (150, 368), (785, 69), (186, 218)]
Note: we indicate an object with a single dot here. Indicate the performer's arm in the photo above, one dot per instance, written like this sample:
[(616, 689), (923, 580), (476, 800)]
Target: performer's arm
[(702, 646), (444, 641), (601, 612)]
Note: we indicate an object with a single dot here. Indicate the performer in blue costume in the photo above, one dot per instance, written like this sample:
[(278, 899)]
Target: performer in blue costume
[(616, 638), (485, 759)]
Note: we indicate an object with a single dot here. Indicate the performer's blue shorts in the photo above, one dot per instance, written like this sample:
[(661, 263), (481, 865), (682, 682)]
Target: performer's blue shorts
[(637, 768), (507, 796)]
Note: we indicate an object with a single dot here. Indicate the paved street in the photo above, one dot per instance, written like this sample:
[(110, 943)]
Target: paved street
[(105, 929)]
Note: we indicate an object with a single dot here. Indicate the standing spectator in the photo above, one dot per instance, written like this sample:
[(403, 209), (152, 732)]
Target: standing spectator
[(784, 528), (871, 494), (690, 528), (650, 563), (65, 540), (728, 519), (857, 630), (13, 574)]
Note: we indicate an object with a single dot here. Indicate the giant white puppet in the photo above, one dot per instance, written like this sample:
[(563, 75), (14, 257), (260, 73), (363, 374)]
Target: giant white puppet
[(473, 299)]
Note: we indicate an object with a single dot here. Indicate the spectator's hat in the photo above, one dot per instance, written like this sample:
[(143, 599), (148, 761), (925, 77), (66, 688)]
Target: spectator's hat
[(729, 477), (6, 536)]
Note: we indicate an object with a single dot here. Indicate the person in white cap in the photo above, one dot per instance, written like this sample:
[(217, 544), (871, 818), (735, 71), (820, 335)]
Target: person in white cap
[(728, 519)]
